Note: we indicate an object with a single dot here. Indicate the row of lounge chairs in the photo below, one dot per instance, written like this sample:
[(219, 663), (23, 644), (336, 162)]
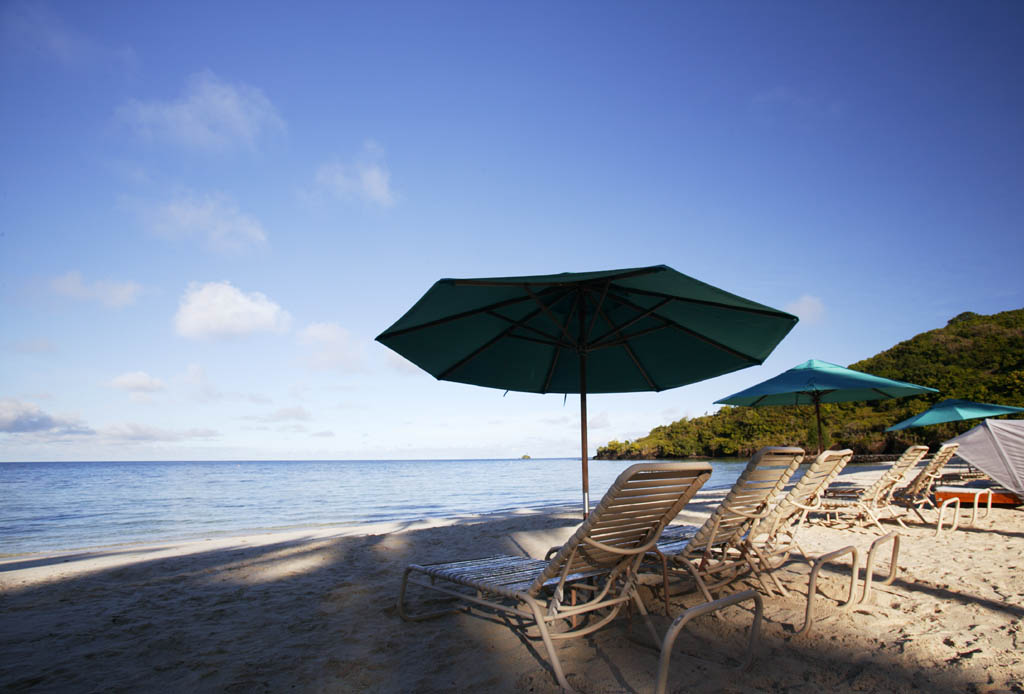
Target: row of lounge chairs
[(627, 541)]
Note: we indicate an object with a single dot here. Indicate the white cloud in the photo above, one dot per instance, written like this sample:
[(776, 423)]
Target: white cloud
[(333, 347), (137, 382), (35, 29), (211, 114), (366, 179), (205, 391), (599, 421), (326, 434), (214, 218), (809, 309), (285, 414), (131, 431), (37, 346), (108, 293), (399, 363), (218, 309), (17, 417)]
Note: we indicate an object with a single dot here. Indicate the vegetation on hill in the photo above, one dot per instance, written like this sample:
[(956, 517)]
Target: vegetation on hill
[(973, 357)]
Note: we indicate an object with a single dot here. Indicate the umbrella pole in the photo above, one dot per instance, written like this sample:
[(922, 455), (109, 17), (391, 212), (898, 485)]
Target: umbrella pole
[(817, 411), (583, 432)]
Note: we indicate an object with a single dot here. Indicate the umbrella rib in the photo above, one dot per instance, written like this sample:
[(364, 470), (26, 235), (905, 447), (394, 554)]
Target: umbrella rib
[(455, 317), (694, 333), (633, 321), (551, 370), (704, 302), (593, 321), (632, 355), (885, 396), (476, 352), (521, 323), (625, 338), (549, 314)]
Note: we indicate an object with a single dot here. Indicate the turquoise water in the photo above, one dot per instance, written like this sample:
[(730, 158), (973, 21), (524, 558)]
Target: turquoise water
[(59, 506)]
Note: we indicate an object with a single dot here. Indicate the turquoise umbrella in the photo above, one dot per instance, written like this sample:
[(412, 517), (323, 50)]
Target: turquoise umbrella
[(615, 331), (815, 382), (955, 411)]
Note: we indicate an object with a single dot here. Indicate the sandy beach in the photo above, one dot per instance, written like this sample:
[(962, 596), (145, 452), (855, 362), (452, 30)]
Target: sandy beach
[(315, 611)]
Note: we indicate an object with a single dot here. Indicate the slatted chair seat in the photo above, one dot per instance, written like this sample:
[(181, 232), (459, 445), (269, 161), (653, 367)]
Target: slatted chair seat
[(713, 555), (866, 503), (499, 574), (601, 559), (917, 495), (774, 537)]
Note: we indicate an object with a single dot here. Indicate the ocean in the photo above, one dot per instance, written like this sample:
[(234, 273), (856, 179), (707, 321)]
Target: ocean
[(47, 507)]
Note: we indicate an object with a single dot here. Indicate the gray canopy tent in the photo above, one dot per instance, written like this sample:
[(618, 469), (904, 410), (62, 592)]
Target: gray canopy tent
[(996, 447)]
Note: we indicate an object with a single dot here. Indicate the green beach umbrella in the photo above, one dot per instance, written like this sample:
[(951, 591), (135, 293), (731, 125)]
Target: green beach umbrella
[(616, 331), (955, 411), (815, 382)]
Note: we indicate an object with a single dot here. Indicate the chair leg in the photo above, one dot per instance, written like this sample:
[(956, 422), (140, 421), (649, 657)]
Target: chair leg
[(556, 664), (418, 617), (869, 569), (705, 608), (646, 617), (954, 501), (812, 583)]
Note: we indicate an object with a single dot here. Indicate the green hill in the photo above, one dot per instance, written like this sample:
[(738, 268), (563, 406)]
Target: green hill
[(973, 357)]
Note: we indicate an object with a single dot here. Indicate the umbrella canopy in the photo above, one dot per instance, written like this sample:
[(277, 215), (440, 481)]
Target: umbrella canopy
[(955, 411), (614, 331), (815, 382), (996, 446)]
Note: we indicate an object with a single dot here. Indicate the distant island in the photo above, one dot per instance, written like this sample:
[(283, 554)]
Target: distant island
[(524, 457), (974, 357)]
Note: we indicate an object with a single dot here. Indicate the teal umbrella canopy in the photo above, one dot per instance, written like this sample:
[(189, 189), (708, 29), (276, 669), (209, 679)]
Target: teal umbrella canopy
[(815, 382), (955, 411), (637, 329), (614, 331)]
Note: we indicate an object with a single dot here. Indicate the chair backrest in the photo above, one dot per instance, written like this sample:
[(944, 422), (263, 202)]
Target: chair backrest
[(921, 486), (762, 480), (886, 484), (628, 520), (819, 474)]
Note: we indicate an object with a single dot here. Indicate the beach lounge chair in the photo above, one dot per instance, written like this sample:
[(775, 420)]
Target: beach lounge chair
[(867, 502), (773, 538), (918, 494), (600, 560), (714, 554)]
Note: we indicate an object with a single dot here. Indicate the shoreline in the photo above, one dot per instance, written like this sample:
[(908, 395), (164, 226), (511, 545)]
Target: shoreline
[(315, 611)]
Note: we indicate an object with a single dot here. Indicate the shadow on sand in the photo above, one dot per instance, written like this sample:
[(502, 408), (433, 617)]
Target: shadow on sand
[(317, 614)]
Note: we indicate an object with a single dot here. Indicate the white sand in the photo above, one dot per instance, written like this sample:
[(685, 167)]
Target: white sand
[(314, 611)]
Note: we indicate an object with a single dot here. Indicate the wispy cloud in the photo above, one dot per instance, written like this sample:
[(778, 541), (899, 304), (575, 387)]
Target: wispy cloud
[(366, 178), (809, 309), (211, 114), (285, 414), (138, 384), (332, 347), (397, 362), (219, 310), (216, 219), (106, 292), (205, 391), (36, 346), (143, 433), (35, 29), (17, 417)]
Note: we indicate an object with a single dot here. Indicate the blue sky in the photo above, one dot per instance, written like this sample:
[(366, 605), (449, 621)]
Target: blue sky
[(210, 209)]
